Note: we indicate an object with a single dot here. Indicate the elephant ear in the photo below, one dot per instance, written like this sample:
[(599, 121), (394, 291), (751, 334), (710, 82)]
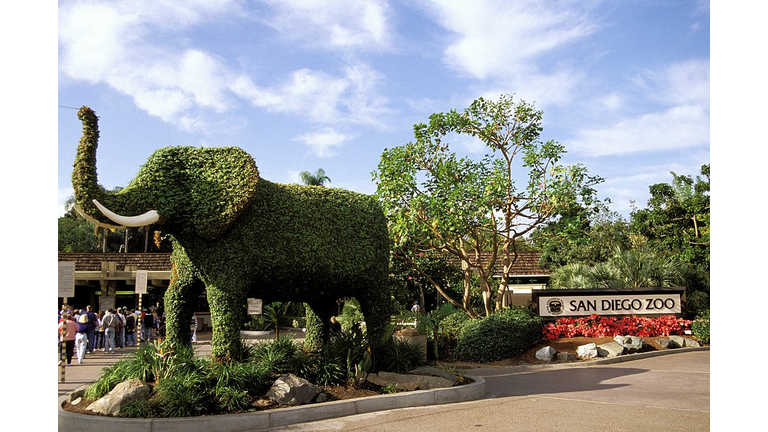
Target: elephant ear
[(222, 182)]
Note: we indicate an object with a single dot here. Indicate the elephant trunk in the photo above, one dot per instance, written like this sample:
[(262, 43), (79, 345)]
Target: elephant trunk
[(88, 193), (84, 178)]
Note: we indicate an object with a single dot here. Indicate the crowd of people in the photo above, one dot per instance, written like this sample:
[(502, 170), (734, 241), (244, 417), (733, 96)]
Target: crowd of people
[(84, 331)]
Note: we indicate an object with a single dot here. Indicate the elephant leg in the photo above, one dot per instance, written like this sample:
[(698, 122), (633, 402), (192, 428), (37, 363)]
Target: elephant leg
[(226, 299), (374, 304), (324, 311), (179, 301)]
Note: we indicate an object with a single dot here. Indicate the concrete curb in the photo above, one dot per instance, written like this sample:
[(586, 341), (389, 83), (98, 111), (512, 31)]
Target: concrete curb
[(263, 420)]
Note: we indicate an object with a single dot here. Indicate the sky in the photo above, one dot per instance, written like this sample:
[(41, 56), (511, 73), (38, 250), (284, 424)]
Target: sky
[(302, 85)]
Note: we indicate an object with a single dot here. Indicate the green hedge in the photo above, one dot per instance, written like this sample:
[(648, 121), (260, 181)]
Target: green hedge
[(700, 327), (501, 335)]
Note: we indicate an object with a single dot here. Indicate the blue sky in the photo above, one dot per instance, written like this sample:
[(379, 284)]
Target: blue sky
[(301, 85)]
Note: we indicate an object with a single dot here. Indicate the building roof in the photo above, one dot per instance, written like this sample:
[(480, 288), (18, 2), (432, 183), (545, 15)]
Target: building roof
[(526, 264), (137, 261)]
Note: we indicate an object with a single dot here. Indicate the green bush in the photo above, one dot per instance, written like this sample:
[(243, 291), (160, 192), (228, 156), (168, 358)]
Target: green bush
[(700, 327), (450, 332), (400, 356), (501, 335)]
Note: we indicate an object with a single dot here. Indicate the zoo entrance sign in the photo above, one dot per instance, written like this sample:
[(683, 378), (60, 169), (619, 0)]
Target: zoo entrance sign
[(555, 303)]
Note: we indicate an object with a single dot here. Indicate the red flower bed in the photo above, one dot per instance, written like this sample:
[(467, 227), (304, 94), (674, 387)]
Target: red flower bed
[(605, 326)]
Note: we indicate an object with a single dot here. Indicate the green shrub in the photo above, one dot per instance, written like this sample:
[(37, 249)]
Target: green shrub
[(313, 338), (449, 333), (700, 327), (140, 408), (501, 335), (183, 395), (400, 356)]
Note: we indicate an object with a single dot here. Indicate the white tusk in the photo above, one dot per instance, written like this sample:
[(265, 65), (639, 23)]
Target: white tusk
[(145, 219)]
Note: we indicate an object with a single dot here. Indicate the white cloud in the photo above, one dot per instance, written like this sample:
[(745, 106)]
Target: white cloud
[(515, 34), (680, 83), (324, 142), (322, 98), (680, 127), (120, 44), (333, 24)]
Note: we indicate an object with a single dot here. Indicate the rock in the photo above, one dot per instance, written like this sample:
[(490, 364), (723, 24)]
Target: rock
[(77, 393), (632, 344), (126, 391), (408, 381), (546, 354), (322, 397), (683, 342), (610, 349), (292, 390), (436, 372), (666, 343), (587, 351), (566, 357)]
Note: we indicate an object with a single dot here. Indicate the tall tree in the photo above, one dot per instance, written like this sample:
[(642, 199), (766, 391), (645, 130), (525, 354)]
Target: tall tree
[(677, 218), (317, 179), (437, 201), (581, 235)]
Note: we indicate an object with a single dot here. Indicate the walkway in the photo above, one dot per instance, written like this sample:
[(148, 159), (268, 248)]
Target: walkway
[(667, 392)]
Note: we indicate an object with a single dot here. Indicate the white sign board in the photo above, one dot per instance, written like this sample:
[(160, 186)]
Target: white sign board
[(141, 282), (254, 306), (66, 278), (625, 304)]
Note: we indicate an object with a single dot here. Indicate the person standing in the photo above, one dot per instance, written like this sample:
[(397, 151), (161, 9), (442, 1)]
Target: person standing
[(93, 326), (416, 308), (147, 326), (67, 332), (120, 335), (110, 326), (81, 339), (130, 329), (193, 328)]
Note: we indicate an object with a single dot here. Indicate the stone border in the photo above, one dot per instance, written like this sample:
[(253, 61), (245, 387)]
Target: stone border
[(604, 360), (261, 420)]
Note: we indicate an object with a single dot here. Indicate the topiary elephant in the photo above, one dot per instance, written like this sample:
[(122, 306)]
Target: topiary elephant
[(244, 236)]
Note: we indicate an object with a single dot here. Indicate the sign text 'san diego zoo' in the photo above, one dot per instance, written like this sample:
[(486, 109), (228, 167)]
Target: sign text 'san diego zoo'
[(647, 301)]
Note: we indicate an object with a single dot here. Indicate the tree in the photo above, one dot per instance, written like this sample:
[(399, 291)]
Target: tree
[(677, 218), (627, 268), (436, 201), (317, 179), (581, 235)]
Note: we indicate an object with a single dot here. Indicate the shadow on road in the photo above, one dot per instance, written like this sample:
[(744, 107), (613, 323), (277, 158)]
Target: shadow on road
[(548, 381)]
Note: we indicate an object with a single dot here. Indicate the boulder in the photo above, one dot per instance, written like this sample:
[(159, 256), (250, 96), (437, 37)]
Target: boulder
[(436, 372), (632, 344), (409, 381), (124, 392), (546, 354), (610, 349), (292, 390), (587, 351), (683, 342), (566, 357)]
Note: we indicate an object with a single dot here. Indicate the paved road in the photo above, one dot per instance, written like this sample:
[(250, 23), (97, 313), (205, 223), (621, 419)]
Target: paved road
[(664, 393)]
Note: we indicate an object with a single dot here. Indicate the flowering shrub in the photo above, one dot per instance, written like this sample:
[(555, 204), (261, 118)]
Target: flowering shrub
[(606, 326)]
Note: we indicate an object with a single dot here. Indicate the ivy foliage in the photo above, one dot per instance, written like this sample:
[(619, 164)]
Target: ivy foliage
[(243, 236)]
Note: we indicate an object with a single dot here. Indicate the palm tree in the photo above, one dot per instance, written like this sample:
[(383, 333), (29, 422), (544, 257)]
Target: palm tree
[(316, 179), (625, 269)]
